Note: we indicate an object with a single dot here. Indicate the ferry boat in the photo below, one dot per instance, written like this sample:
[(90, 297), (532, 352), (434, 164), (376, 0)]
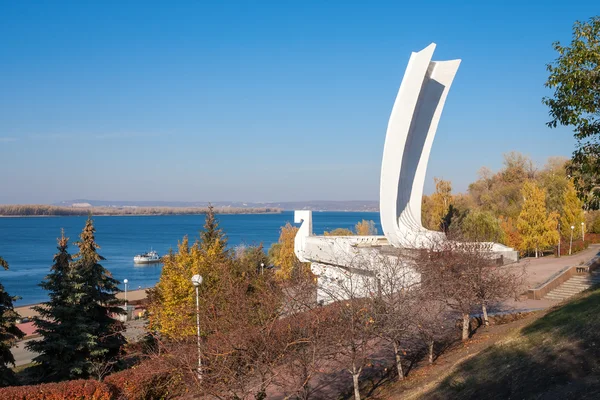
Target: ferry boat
[(147, 258)]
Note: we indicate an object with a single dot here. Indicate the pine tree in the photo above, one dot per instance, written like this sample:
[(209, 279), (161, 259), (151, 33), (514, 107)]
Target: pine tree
[(572, 213), (95, 295), (59, 352), (212, 239), (9, 333), (534, 224)]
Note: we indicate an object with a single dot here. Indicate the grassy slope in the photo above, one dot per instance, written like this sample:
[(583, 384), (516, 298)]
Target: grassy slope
[(555, 357)]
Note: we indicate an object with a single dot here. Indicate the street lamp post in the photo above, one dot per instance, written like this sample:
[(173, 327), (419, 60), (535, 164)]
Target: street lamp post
[(582, 232), (559, 239), (196, 281), (125, 281), (571, 244), (262, 268)]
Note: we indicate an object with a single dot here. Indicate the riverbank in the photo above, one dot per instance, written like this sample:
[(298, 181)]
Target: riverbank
[(43, 210), (132, 296)]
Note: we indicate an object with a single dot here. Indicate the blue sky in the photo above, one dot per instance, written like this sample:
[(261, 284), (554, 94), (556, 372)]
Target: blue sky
[(260, 100)]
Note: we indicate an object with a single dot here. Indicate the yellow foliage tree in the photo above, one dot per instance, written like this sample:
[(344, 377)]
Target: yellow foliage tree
[(339, 232), (438, 204), (171, 301), (283, 256), (365, 228), (572, 213), (536, 228)]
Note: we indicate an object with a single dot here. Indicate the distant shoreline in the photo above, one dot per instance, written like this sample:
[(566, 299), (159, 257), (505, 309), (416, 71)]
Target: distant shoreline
[(102, 211)]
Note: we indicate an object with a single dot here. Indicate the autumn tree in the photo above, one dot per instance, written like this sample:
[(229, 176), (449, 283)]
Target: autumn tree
[(282, 255), (572, 213), (171, 311), (554, 180), (536, 227), (437, 205), (500, 192), (512, 237), (339, 232), (9, 333), (575, 78), (365, 228)]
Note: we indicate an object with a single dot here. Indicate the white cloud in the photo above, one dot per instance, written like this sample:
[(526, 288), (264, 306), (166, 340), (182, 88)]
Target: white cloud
[(7, 139)]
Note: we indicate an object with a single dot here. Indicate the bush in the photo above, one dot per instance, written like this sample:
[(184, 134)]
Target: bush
[(146, 381), (592, 237), (70, 390), (578, 245), (592, 221)]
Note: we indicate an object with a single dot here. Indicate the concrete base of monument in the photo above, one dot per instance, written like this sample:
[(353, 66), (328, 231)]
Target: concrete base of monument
[(353, 266)]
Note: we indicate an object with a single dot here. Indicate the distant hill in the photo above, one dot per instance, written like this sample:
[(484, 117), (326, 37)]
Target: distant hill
[(315, 205)]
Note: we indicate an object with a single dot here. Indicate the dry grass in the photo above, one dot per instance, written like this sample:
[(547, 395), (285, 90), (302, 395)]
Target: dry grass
[(555, 357)]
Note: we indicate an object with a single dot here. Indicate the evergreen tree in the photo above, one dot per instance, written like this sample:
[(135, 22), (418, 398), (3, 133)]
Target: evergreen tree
[(572, 213), (77, 325), (9, 333), (59, 323), (212, 239), (95, 295)]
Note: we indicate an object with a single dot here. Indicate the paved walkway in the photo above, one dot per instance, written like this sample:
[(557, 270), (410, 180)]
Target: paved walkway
[(542, 268), (539, 270), (28, 312)]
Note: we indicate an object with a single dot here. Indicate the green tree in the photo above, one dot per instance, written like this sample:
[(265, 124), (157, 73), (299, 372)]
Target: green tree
[(59, 357), (9, 333), (212, 239), (536, 228), (482, 226), (572, 213), (91, 335), (575, 78)]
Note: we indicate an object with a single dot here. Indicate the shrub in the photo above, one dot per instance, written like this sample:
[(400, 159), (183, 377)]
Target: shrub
[(592, 221), (151, 379), (578, 245), (70, 390), (592, 237)]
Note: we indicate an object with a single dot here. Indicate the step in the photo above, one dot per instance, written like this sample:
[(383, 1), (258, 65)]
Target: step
[(566, 292), (575, 285), (562, 295), (555, 298), (562, 289)]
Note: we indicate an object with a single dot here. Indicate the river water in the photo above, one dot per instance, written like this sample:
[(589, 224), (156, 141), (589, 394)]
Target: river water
[(28, 244)]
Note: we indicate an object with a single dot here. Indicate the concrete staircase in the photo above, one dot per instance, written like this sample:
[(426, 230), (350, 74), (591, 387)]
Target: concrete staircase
[(574, 285)]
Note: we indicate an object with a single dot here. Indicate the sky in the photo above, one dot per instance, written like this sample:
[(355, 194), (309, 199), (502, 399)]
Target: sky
[(261, 100)]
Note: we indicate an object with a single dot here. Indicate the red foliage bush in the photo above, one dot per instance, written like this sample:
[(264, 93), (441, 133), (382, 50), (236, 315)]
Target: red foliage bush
[(70, 390), (592, 237), (578, 245), (150, 379)]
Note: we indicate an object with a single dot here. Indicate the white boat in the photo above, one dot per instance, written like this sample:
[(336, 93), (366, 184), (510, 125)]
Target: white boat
[(147, 258)]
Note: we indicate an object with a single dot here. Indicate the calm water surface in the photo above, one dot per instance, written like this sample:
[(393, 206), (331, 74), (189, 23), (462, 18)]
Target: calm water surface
[(28, 244)]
